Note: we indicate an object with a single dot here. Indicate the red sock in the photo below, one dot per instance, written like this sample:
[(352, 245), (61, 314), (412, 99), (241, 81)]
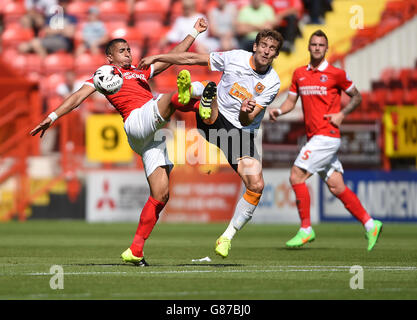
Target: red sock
[(148, 218), (302, 200), (353, 205), (190, 106)]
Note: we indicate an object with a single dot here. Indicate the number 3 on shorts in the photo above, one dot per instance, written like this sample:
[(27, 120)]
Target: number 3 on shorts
[(306, 155)]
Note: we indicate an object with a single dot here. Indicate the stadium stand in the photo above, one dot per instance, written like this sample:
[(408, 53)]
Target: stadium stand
[(151, 20)]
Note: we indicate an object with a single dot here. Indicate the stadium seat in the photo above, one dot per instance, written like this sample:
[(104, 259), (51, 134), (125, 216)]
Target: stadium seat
[(396, 9), (364, 106), (114, 11), (53, 102), (13, 12), (410, 92), (88, 63), (363, 37), (166, 83), (13, 36), (33, 63), (19, 63), (58, 62), (151, 10), (130, 34), (49, 84), (157, 27), (405, 76), (79, 9), (114, 25), (395, 93)]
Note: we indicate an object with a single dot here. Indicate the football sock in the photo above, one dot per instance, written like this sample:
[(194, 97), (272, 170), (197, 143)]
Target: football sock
[(307, 230), (302, 200), (369, 225), (148, 218), (354, 206), (197, 89), (243, 213)]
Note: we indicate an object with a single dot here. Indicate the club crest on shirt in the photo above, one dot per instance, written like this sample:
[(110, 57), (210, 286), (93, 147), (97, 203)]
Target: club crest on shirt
[(323, 78), (259, 88)]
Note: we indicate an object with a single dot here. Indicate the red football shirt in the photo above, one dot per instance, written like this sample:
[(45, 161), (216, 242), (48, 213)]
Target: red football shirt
[(135, 91), (320, 90)]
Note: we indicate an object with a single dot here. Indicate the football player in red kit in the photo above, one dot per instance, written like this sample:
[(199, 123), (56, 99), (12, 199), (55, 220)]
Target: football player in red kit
[(142, 116), (320, 85)]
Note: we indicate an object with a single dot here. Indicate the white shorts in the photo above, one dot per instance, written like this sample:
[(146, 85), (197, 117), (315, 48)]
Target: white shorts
[(140, 127), (319, 155)]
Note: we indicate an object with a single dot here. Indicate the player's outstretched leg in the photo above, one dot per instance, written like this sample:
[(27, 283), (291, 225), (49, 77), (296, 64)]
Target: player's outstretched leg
[(207, 98)]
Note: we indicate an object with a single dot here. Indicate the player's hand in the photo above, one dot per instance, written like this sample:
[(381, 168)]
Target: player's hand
[(335, 118), (273, 114), (43, 126), (248, 105), (146, 62), (201, 25)]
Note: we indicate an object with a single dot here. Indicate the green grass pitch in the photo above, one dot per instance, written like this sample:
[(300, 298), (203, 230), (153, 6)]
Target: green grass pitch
[(259, 267)]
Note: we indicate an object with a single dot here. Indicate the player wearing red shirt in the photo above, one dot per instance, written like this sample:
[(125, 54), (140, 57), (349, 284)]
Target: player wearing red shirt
[(135, 91), (142, 116), (320, 86)]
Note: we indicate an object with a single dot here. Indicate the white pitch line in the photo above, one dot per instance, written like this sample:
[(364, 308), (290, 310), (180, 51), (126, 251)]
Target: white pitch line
[(321, 269), (291, 268)]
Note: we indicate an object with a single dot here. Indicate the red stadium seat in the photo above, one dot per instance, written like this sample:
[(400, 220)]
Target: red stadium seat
[(405, 76), (151, 10), (114, 25), (49, 84), (13, 36), (53, 103), (88, 63), (58, 62), (166, 82), (363, 37), (13, 12), (79, 9), (130, 34), (158, 29), (114, 11), (33, 63), (19, 63)]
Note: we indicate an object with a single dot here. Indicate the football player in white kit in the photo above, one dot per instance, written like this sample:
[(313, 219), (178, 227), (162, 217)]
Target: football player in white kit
[(234, 110)]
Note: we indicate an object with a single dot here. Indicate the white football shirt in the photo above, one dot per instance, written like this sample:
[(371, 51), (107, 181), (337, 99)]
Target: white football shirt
[(239, 82)]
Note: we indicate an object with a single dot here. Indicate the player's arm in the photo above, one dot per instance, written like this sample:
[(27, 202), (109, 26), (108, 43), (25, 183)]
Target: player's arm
[(249, 109), (159, 66), (67, 106), (355, 100), (287, 106), (183, 58)]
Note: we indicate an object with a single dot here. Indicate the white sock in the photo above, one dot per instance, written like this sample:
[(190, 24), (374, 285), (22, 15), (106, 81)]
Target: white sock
[(198, 89), (230, 231), (369, 225), (307, 230), (243, 213)]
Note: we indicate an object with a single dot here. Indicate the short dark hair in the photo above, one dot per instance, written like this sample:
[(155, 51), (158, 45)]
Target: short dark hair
[(268, 33), (318, 33), (111, 43)]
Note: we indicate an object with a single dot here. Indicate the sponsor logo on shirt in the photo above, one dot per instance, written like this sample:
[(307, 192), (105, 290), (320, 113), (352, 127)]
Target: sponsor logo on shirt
[(131, 75), (313, 90), (240, 92), (323, 78)]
